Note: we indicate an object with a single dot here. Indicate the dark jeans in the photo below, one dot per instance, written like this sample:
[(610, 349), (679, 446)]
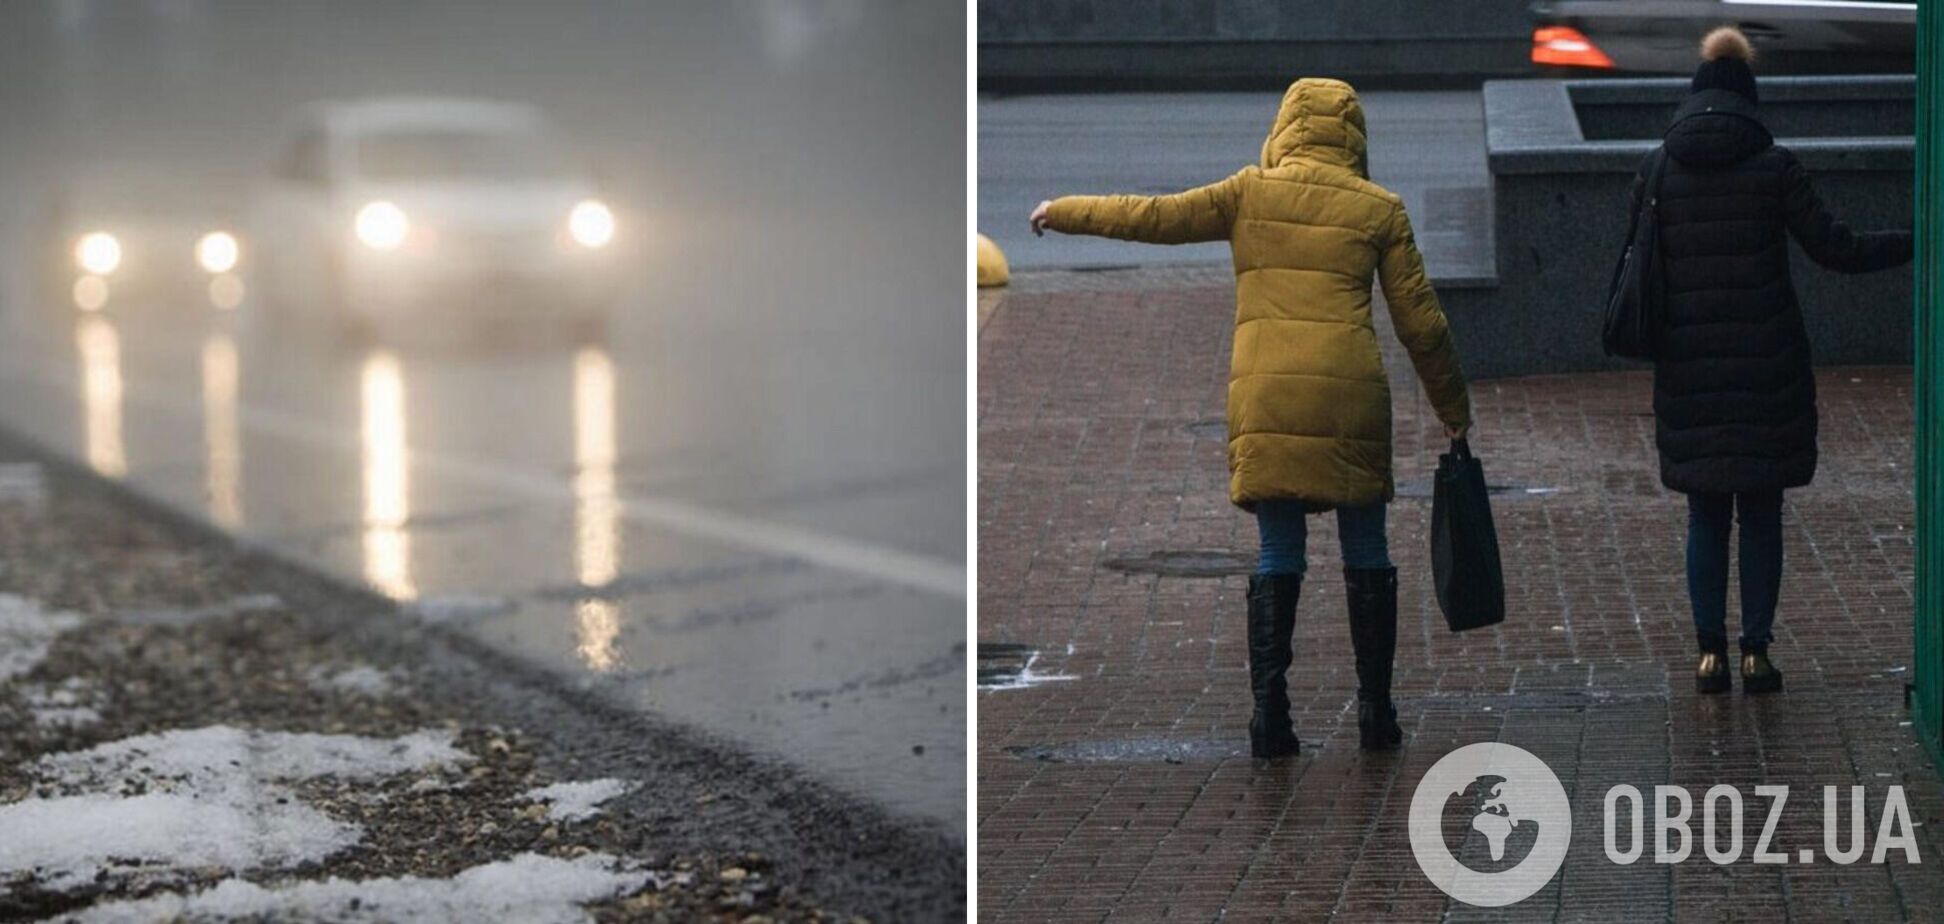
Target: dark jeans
[(1709, 517), (1285, 536)]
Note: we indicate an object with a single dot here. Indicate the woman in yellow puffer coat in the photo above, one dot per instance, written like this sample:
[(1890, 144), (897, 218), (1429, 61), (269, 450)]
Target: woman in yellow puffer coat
[(1309, 406)]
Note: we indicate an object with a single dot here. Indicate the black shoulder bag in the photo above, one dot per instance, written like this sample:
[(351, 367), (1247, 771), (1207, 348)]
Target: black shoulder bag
[(1636, 300), (1465, 562)]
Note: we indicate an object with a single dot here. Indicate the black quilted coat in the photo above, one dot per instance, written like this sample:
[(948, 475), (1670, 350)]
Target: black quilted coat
[(1734, 395)]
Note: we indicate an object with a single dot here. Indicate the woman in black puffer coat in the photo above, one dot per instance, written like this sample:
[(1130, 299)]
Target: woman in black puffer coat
[(1734, 394)]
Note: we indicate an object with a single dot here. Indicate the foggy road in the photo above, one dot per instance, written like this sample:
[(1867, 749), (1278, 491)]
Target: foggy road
[(743, 508), (579, 506)]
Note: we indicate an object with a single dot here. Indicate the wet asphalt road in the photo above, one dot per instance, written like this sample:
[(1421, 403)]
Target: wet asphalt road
[(743, 508), (774, 560), (1427, 146)]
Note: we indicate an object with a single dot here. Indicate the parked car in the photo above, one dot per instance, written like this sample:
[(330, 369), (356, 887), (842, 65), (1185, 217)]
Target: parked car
[(396, 213), (1790, 36), (126, 238)]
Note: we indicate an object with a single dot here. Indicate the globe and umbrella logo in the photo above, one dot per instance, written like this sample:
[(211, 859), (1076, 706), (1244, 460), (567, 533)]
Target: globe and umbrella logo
[(1514, 801)]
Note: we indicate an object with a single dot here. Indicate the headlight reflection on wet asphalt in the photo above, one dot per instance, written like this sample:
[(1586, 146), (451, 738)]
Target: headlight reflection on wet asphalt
[(387, 474), (101, 394), (597, 513), (90, 293), (224, 467)]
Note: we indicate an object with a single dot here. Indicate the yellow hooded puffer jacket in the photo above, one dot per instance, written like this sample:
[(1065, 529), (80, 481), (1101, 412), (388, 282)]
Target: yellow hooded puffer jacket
[(1309, 412)]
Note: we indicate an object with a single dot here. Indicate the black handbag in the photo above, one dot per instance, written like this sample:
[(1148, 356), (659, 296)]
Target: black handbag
[(1464, 543), (1637, 297)]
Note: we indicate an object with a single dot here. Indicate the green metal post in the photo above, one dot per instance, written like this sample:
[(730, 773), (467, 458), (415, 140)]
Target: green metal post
[(1927, 689)]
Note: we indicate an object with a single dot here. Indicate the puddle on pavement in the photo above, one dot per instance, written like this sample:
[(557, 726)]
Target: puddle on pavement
[(1009, 666), (1189, 563), (1003, 661), (1135, 750)]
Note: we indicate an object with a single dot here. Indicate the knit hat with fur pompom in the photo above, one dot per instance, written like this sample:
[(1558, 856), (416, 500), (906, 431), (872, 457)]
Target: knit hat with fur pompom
[(1725, 56)]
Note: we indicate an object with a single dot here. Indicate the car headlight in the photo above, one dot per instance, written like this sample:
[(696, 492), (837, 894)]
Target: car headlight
[(217, 251), (591, 223), (381, 225), (98, 253)]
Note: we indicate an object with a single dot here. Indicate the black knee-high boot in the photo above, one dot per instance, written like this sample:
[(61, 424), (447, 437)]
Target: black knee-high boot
[(1272, 620), (1372, 595)]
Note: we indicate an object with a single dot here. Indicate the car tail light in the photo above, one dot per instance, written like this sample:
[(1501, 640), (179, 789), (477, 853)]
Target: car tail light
[(1566, 46)]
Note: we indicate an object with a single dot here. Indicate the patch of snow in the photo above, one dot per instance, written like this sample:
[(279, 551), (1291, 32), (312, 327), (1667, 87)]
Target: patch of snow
[(576, 801), (363, 679), (70, 705), (216, 796), (528, 888), (1027, 678), (69, 840), (26, 632), (219, 753)]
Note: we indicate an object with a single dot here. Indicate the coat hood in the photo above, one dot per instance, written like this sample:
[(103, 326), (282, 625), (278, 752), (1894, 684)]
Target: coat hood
[(1716, 128), (1320, 122)]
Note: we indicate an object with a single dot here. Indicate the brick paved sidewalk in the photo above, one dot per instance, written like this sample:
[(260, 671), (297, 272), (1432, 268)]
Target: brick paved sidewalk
[(1125, 792)]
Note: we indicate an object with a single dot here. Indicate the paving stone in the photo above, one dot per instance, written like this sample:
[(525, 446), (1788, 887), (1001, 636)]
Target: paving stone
[(1110, 796)]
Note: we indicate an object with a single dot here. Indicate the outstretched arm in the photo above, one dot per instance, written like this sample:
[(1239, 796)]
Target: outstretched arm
[(1202, 214), (1420, 322), (1830, 242)]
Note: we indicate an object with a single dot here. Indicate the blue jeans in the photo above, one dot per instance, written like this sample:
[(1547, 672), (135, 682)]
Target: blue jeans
[(1709, 521), (1285, 536)]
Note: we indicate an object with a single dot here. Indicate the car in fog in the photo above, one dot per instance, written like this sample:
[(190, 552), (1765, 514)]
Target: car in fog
[(400, 213), (131, 238), (1660, 36)]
